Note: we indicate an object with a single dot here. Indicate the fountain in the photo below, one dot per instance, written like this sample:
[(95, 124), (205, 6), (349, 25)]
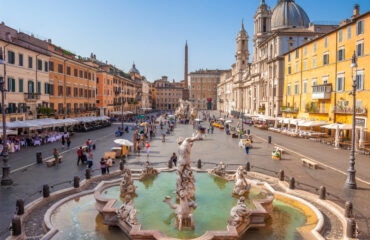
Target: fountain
[(186, 110)]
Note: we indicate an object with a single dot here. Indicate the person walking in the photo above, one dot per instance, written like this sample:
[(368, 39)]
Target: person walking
[(63, 141), (103, 166), (68, 142), (247, 148), (79, 156), (89, 159), (174, 159), (109, 164), (147, 148), (56, 156)]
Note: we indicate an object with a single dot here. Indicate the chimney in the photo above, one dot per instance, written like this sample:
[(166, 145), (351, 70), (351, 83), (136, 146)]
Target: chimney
[(356, 10), (49, 40)]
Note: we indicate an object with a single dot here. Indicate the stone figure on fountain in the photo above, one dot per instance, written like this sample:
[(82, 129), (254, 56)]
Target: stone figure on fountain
[(241, 186), (127, 184), (148, 171), (186, 110), (127, 212), (220, 170), (239, 214)]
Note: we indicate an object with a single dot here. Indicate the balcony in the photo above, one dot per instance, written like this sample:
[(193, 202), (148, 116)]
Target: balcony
[(315, 110), (289, 109), (322, 91), (31, 96), (349, 110)]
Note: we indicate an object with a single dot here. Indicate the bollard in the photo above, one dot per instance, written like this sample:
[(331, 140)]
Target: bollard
[(16, 226), (348, 210), (269, 139), (322, 193), (351, 228), (170, 163), (249, 131), (292, 183), (19, 207), (76, 182), (45, 191), (281, 175), (39, 157), (88, 173), (199, 163), (248, 167), (121, 165)]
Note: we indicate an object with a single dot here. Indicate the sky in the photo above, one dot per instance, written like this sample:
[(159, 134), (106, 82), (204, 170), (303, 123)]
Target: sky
[(152, 33)]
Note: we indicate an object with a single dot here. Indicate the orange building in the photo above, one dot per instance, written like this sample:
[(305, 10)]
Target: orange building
[(72, 84), (105, 94)]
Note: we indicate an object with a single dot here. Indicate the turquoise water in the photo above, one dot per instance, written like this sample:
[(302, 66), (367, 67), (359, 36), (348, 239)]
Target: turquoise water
[(213, 196)]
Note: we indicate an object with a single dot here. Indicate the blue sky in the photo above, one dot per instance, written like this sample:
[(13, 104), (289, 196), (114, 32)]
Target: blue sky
[(153, 32)]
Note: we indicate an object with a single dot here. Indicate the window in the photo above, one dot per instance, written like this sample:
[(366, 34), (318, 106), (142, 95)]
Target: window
[(296, 53), (85, 75), (46, 66), (81, 92), (325, 60), (339, 86), (20, 59), (75, 72), (31, 88), (75, 92), (305, 50), (30, 60), (47, 88), (305, 64), (296, 88), (305, 86), (325, 80), (341, 54), (360, 49), (38, 87), (51, 90), (68, 91), (68, 70), (81, 74), (60, 90), (326, 42), (289, 57), (51, 66), (11, 57), (39, 65), (314, 82), (314, 61), (314, 46), (60, 68), (349, 32), (296, 67), (11, 85), (340, 35), (360, 27), (360, 80), (20, 85), (288, 90)]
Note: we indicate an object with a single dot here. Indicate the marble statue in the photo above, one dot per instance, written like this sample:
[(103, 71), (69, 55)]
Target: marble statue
[(186, 110), (239, 214), (127, 185), (127, 212), (148, 171), (184, 217), (241, 186), (220, 170)]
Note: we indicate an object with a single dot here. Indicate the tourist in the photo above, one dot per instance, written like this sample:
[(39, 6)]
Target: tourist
[(212, 128), (79, 156), (90, 159), (247, 148), (163, 136), (56, 156), (90, 144), (147, 148), (63, 141), (174, 159), (109, 163), (103, 166), (68, 142), (87, 143)]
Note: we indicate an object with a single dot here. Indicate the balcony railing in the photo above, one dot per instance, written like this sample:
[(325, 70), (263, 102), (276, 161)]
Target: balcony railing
[(349, 110), (289, 109), (31, 96), (321, 91), (315, 110)]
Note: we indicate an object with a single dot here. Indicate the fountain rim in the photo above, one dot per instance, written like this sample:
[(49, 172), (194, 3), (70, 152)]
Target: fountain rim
[(106, 184)]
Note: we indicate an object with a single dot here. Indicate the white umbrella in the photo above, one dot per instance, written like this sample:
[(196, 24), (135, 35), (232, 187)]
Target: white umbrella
[(221, 119), (123, 142), (312, 124), (229, 121), (198, 120)]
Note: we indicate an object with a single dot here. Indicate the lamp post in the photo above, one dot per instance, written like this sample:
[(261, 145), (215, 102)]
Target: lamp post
[(242, 110), (351, 177), (5, 179), (122, 91)]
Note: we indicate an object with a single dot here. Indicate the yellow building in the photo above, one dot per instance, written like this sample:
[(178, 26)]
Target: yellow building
[(318, 75)]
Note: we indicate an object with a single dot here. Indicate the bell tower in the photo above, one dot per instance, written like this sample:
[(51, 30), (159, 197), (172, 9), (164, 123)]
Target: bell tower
[(242, 53), (262, 24)]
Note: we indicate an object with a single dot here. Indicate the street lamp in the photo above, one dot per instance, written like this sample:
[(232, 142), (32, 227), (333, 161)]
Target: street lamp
[(242, 110), (5, 179), (122, 91), (351, 177)]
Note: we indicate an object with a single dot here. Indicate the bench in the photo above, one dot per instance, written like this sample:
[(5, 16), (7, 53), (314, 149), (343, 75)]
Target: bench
[(51, 161), (309, 163)]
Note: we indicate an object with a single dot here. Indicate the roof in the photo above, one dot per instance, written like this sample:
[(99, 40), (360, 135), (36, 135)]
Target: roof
[(287, 14)]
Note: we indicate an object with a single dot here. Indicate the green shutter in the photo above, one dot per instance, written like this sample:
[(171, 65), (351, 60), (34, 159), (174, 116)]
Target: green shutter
[(13, 85), (20, 85), (38, 87)]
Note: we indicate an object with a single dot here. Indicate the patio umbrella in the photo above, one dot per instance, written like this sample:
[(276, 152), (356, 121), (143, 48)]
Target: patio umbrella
[(123, 142), (198, 120), (221, 119), (229, 121), (336, 140)]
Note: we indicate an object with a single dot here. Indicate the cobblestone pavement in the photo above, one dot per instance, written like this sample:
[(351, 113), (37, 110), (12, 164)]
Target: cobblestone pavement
[(213, 149)]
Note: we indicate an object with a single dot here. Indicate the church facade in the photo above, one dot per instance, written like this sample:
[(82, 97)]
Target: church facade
[(257, 87)]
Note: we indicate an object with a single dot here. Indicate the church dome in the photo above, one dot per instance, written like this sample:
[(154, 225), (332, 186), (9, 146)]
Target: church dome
[(288, 14), (134, 69)]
